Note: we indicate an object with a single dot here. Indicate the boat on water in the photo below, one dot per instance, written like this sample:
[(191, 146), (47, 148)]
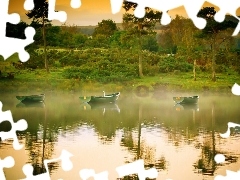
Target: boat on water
[(186, 100), (109, 98), (31, 98)]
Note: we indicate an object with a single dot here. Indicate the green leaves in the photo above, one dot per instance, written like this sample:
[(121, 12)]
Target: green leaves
[(105, 28), (40, 11)]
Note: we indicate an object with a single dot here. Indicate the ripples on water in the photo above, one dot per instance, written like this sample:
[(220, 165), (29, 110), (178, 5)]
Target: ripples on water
[(179, 141)]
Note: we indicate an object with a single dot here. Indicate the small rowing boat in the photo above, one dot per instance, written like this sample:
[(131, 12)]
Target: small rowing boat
[(186, 100), (109, 98), (31, 98)]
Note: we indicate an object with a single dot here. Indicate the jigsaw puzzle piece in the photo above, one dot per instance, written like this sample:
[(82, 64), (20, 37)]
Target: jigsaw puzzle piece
[(20, 125), (87, 173), (230, 175), (75, 3), (28, 5), (9, 46), (13, 18), (116, 5), (137, 167), (230, 125), (28, 171), (236, 89), (7, 162), (226, 7), (192, 9), (53, 15), (66, 165), (162, 5)]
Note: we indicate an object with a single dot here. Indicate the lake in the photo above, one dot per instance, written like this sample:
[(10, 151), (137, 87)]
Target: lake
[(179, 141)]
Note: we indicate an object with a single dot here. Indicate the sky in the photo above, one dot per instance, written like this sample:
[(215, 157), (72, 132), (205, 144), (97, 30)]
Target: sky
[(90, 13)]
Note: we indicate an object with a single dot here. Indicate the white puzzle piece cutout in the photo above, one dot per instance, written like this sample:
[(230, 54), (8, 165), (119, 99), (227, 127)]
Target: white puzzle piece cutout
[(66, 165), (137, 167), (53, 15), (28, 5), (9, 46), (7, 162), (192, 8), (20, 125), (87, 173), (75, 4), (236, 89)]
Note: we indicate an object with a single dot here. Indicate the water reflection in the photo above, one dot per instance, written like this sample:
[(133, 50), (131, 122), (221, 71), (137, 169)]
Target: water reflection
[(140, 149), (181, 107), (102, 106), (30, 104), (178, 143), (39, 139)]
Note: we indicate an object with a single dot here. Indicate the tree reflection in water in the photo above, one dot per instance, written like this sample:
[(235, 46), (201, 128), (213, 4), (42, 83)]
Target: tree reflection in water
[(140, 150), (206, 164), (40, 145)]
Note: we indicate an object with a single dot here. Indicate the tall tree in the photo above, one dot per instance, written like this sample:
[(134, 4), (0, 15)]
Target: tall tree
[(40, 15), (139, 26), (106, 28), (213, 32)]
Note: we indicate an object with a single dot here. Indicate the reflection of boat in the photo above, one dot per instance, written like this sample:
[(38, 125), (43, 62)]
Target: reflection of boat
[(109, 106), (104, 106), (181, 107), (110, 98), (85, 106), (31, 98), (186, 100), (30, 104)]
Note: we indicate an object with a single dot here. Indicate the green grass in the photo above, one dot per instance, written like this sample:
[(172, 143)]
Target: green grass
[(184, 81), (40, 80)]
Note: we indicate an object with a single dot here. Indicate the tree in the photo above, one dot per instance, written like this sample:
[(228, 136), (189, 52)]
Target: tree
[(165, 41), (40, 15), (139, 26), (213, 32), (183, 33), (150, 43), (53, 35), (106, 28)]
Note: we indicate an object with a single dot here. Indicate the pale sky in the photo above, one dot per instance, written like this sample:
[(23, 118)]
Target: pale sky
[(90, 13)]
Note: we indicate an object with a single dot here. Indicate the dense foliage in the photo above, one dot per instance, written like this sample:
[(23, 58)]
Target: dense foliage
[(111, 52)]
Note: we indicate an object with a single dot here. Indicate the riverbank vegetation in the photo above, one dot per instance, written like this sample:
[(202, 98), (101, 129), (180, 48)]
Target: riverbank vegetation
[(176, 56)]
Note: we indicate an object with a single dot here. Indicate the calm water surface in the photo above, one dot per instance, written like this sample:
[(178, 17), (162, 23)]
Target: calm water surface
[(180, 142)]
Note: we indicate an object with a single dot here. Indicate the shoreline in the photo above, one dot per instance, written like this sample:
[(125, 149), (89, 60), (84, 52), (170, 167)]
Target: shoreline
[(40, 81)]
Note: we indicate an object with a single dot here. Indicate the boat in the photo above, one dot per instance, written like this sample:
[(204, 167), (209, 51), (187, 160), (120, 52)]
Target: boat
[(31, 98), (186, 100), (109, 98)]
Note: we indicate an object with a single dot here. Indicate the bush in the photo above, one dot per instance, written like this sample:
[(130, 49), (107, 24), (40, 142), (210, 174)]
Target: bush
[(102, 71), (169, 64)]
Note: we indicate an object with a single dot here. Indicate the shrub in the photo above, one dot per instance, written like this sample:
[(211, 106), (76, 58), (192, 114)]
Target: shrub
[(169, 64)]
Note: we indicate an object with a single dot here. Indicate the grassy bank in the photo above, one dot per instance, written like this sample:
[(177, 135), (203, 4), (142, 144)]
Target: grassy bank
[(40, 81)]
